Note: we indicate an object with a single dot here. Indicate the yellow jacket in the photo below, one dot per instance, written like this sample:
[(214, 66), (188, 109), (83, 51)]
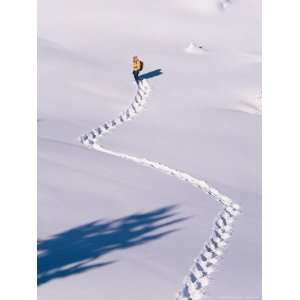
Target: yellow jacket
[(136, 65)]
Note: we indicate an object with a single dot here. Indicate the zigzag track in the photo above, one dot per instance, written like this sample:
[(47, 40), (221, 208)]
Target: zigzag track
[(197, 280)]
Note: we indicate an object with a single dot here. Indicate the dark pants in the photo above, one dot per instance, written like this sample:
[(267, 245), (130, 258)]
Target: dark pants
[(136, 76)]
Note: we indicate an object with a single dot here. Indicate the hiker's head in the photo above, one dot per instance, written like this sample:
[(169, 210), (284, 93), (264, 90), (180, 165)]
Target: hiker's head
[(135, 58)]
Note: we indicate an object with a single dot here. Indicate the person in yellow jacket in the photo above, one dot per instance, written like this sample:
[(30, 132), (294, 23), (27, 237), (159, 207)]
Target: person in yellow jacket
[(137, 66)]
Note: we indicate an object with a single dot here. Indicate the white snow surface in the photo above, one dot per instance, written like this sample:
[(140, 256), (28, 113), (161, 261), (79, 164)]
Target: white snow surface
[(111, 229), (197, 280)]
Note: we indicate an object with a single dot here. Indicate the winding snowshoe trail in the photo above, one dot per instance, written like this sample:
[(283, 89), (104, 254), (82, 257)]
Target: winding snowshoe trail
[(197, 280)]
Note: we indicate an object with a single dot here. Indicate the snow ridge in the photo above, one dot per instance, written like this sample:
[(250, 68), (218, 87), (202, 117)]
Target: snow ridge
[(197, 280)]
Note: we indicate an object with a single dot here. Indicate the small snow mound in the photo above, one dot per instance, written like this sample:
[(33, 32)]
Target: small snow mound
[(223, 4), (194, 49)]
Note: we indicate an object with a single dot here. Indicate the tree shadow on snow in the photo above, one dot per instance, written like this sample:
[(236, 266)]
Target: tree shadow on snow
[(74, 251), (151, 74)]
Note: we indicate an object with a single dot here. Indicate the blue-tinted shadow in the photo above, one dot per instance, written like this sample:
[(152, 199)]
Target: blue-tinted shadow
[(151, 74), (76, 250)]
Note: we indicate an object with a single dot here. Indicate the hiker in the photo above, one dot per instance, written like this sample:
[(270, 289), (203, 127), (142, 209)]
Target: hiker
[(137, 66)]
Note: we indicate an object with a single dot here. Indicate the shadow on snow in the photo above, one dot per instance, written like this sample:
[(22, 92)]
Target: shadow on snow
[(74, 251), (151, 74)]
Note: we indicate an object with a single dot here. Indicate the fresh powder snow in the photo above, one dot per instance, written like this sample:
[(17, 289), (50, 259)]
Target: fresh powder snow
[(114, 221)]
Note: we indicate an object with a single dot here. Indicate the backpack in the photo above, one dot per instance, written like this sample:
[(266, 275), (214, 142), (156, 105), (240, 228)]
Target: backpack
[(141, 65)]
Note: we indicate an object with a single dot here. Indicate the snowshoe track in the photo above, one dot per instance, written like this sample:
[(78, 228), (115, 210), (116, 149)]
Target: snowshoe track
[(196, 282)]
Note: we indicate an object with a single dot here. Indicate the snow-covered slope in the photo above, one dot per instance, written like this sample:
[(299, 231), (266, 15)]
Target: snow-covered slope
[(111, 229)]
